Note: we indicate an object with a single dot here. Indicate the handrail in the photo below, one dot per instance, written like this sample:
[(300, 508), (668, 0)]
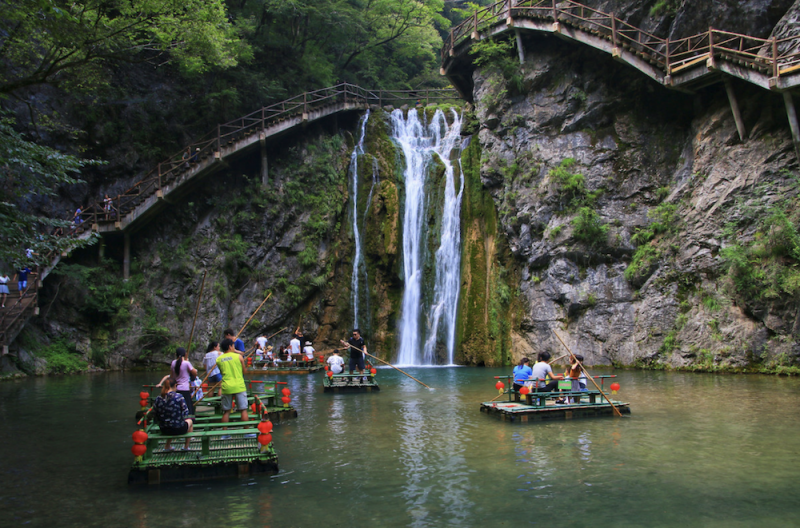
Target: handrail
[(770, 56)]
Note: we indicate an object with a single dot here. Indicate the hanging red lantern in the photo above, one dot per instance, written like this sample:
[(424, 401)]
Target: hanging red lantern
[(138, 450), (139, 436), (614, 387), (286, 392), (286, 400), (265, 427), (249, 361), (524, 391), (326, 368), (373, 371), (321, 359), (253, 407), (143, 395), (330, 373), (143, 403), (499, 385), (264, 439)]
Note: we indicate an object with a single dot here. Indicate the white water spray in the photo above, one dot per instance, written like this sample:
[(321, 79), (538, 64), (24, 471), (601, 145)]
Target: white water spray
[(358, 259), (420, 144)]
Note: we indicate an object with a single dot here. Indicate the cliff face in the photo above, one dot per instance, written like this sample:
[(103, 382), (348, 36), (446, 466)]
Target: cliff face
[(634, 214)]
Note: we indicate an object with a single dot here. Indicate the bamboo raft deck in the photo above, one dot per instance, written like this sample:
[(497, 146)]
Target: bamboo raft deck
[(542, 406), (298, 366), (341, 383)]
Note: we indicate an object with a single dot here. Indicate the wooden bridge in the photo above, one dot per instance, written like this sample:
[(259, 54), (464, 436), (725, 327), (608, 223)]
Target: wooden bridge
[(175, 175), (685, 64)]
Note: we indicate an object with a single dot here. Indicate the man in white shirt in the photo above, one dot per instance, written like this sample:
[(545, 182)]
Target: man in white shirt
[(261, 342), (294, 344), (336, 362), (308, 350)]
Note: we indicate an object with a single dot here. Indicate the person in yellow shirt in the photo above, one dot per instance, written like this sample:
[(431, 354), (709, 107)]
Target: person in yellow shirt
[(231, 365)]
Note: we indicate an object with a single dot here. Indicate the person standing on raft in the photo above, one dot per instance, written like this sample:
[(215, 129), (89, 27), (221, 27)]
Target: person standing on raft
[(357, 347), (231, 364), (238, 344), (181, 372)]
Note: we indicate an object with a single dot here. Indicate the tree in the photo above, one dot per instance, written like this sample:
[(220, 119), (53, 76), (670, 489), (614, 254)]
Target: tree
[(61, 42), (28, 170)]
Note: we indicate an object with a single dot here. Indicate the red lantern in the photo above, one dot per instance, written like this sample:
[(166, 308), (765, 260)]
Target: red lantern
[(286, 392), (249, 361), (265, 427), (330, 373), (326, 368), (499, 385), (139, 437), (614, 387), (138, 449), (524, 391), (373, 371), (143, 395), (253, 407), (143, 403), (286, 400), (264, 439), (204, 386)]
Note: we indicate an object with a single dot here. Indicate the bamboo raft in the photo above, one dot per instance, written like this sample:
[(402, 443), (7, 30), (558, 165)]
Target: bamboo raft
[(298, 366), (213, 451), (350, 383), (542, 406)]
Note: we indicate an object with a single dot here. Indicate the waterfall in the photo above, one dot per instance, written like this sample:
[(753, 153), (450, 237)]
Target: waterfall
[(359, 268), (421, 144)]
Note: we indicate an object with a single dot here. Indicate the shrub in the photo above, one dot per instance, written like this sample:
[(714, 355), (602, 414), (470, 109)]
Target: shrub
[(589, 228)]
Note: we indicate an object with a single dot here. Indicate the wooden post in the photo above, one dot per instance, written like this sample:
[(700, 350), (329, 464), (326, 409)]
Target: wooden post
[(219, 138), (126, 257), (793, 124), (264, 160), (475, 26), (737, 115), (710, 61), (520, 48)]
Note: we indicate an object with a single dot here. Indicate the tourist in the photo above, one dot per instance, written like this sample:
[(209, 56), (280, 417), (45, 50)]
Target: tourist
[(357, 348), (22, 280), (196, 155), (336, 362), (574, 372), (261, 342), (309, 351), (107, 206), (542, 371), (294, 344), (238, 344), (232, 366), (186, 156), (76, 218), (172, 413), (181, 372), (210, 366), (522, 373), (4, 289)]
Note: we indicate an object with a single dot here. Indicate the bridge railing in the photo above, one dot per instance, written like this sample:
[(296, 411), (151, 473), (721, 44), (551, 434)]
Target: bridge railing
[(773, 57), (210, 144)]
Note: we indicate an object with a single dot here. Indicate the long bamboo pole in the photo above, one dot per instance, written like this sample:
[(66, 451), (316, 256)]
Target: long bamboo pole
[(587, 374), (251, 317), (196, 311), (387, 363)]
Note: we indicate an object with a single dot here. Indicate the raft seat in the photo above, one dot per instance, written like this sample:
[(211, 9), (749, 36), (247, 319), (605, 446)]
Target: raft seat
[(155, 438), (539, 399)]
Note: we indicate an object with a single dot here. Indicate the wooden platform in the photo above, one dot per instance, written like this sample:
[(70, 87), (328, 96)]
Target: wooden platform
[(209, 457), (525, 412), (350, 383)]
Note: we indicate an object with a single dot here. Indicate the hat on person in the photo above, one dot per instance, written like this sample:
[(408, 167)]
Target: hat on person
[(308, 343), (269, 347)]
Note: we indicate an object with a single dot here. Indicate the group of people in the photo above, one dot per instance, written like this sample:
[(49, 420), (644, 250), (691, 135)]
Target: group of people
[(224, 364), (290, 353), (541, 378), (22, 284)]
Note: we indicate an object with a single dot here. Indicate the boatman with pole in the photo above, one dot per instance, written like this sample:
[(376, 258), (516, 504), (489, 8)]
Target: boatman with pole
[(357, 349)]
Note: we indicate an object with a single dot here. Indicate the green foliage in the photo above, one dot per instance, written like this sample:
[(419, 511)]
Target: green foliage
[(668, 7), (154, 336), (670, 343), (766, 268), (588, 227), (60, 42), (500, 54), (664, 223), (664, 220), (29, 170), (107, 295), (572, 186), (63, 358)]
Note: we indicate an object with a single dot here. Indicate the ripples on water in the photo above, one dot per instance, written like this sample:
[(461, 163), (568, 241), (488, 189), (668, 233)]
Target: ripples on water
[(698, 450)]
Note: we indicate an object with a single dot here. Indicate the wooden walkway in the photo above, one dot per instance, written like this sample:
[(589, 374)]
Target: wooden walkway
[(685, 64)]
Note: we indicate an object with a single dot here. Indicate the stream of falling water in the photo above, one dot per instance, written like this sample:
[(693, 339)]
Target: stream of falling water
[(358, 259), (421, 144)]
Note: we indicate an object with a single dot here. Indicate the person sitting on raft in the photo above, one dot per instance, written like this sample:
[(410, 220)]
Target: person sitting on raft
[(172, 414), (542, 371), (522, 373), (336, 362)]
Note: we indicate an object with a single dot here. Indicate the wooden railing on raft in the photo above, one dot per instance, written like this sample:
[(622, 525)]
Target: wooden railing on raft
[(771, 58)]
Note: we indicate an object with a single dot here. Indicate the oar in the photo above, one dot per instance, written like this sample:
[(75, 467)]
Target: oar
[(196, 310), (587, 374), (386, 362), (251, 317), (237, 335)]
